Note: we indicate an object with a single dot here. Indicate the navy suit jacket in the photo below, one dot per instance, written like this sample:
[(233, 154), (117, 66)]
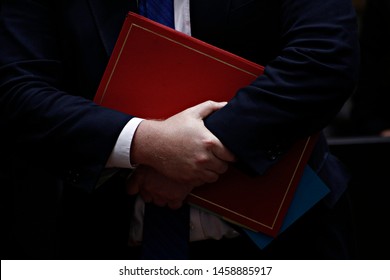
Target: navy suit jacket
[(53, 54)]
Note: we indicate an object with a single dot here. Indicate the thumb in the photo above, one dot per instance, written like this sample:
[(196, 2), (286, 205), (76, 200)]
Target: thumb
[(204, 109)]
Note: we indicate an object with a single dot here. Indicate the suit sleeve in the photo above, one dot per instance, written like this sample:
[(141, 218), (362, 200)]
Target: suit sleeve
[(303, 86), (45, 123)]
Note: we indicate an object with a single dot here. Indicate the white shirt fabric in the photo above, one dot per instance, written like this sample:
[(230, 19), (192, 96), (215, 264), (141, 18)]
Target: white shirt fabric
[(203, 225)]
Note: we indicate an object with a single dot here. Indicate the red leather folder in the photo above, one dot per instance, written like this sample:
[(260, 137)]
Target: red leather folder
[(155, 72)]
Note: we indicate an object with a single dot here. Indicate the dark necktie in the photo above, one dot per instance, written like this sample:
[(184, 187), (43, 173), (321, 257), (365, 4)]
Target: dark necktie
[(166, 231), (158, 10)]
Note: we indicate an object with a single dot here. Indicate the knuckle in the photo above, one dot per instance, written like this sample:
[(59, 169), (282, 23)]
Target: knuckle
[(202, 159), (209, 103), (208, 143)]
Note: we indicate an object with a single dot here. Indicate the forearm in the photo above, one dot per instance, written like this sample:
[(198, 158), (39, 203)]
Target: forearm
[(41, 117), (303, 86)]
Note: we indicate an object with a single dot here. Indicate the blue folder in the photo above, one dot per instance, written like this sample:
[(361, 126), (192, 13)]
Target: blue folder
[(311, 189)]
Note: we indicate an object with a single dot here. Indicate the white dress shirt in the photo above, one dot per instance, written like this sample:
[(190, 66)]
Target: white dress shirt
[(203, 225)]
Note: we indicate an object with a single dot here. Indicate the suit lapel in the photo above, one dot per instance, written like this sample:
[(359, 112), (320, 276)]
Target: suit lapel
[(109, 16)]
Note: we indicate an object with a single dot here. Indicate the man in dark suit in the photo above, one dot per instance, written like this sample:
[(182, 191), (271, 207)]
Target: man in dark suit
[(57, 143)]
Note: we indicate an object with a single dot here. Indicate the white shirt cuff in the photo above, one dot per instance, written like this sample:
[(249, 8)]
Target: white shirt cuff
[(120, 156)]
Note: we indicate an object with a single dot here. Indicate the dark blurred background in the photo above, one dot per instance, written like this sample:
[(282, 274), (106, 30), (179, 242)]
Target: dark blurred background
[(360, 134)]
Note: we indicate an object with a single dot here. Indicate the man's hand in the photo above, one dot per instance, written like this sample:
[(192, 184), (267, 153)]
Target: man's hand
[(181, 147), (156, 188)]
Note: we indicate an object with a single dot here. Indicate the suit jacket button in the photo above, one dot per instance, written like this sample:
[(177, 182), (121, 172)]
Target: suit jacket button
[(272, 157)]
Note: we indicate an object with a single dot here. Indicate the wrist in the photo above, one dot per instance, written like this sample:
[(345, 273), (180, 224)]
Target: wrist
[(142, 149)]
